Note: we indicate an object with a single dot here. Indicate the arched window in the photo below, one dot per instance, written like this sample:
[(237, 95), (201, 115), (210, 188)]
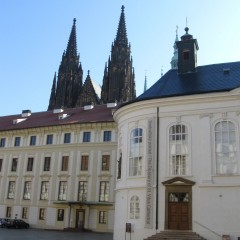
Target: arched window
[(178, 150), (136, 152), (225, 148), (134, 207)]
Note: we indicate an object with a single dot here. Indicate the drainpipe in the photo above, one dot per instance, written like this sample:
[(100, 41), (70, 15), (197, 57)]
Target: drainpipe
[(157, 165)]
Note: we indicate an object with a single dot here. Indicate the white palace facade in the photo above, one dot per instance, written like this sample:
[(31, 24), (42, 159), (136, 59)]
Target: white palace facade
[(57, 168), (168, 160)]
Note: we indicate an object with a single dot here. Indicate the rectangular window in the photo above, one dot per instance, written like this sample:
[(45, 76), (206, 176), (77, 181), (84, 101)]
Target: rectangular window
[(49, 139), (2, 142), (1, 161), (102, 217), (14, 164), (107, 136), (62, 194), (84, 163), (8, 212), (82, 191), (65, 160), (104, 192), (67, 138), (178, 165), (86, 136), (44, 190), (41, 213), (105, 162), (186, 55), (33, 140), (17, 141), (60, 215), (11, 190), (30, 164), (135, 166), (47, 162), (27, 190), (24, 212)]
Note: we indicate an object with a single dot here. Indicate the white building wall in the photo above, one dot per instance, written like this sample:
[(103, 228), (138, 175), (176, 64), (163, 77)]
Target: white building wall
[(214, 197)]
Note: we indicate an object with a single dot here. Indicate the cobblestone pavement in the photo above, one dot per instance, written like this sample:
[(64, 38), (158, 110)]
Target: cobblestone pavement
[(37, 234)]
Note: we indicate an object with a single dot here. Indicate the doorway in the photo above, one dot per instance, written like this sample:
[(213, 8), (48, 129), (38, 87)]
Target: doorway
[(80, 216), (178, 204)]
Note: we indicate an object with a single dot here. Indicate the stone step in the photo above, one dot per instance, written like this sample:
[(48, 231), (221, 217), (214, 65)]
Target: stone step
[(175, 235)]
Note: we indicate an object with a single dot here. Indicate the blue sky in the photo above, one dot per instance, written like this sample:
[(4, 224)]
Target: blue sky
[(34, 34)]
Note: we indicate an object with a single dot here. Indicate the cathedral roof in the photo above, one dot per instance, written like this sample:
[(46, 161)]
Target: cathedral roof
[(207, 79), (96, 114)]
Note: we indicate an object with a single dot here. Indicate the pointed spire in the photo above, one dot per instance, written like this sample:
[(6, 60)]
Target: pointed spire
[(121, 37), (145, 84), (72, 42), (174, 61), (52, 99)]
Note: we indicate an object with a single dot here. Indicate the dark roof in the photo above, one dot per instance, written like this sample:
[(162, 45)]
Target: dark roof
[(100, 113), (210, 78)]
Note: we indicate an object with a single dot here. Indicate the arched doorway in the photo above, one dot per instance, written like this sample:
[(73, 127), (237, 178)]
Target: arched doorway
[(178, 204)]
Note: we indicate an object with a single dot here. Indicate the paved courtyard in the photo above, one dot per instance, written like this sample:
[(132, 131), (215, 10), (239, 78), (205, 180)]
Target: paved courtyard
[(36, 234)]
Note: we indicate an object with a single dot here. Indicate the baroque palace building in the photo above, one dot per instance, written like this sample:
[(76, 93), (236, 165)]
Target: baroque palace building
[(57, 168), (103, 160)]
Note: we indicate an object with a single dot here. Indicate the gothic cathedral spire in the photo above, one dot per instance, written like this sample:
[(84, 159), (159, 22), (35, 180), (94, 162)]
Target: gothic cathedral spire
[(118, 80), (70, 75)]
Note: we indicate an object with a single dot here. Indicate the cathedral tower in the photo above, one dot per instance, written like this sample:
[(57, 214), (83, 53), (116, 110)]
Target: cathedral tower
[(66, 91), (119, 78)]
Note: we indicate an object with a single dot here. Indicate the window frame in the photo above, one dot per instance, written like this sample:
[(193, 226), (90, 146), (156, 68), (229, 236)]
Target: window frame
[(17, 142), (49, 139), (134, 207), (30, 164), (226, 143), (102, 217), (107, 136), (24, 212), (67, 138), (65, 163), (82, 191), (84, 162), (47, 164), (105, 162), (11, 189), (178, 151), (60, 215), (44, 191), (33, 140), (42, 213), (104, 191), (86, 136), (14, 165), (136, 152), (8, 212), (2, 142), (27, 190), (62, 191)]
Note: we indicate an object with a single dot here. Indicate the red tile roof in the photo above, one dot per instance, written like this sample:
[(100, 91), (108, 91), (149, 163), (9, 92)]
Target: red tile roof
[(100, 113)]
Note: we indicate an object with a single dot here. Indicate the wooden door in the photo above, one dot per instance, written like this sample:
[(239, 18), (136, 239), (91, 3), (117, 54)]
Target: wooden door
[(178, 211)]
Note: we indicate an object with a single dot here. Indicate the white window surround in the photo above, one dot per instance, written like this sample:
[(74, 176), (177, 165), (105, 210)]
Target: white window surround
[(225, 150), (136, 152), (179, 144), (134, 212)]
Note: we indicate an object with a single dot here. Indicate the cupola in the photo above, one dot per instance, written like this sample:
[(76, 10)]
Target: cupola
[(187, 53)]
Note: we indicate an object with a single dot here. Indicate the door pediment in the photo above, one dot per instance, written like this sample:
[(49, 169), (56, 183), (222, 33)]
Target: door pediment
[(178, 181)]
